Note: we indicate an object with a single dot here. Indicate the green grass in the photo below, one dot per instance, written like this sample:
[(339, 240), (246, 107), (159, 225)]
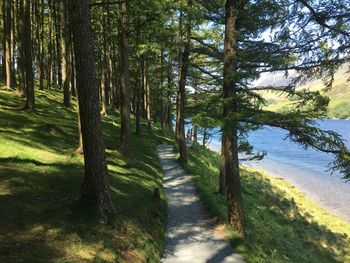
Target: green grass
[(40, 176), (282, 224)]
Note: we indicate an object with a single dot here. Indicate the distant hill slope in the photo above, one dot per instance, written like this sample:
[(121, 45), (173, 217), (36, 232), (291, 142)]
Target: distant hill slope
[(339, 95)]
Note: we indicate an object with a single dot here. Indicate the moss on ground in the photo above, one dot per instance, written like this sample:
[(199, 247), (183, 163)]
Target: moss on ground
[(40, 176)]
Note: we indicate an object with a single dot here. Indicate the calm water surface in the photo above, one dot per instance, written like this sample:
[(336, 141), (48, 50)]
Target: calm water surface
[(306, 169)]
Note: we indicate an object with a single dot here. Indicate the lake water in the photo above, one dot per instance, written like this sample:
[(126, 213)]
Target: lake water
[(305, 169)]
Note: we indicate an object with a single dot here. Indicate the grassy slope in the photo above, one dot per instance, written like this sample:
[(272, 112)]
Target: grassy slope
[(282, 225), (339, 106), (40, 176)]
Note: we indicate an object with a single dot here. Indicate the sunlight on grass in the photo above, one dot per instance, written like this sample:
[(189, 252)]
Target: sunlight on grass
[(40, 177), (282, 224)]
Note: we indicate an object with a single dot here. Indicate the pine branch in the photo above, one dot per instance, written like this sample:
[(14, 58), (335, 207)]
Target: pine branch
[(321, 20)]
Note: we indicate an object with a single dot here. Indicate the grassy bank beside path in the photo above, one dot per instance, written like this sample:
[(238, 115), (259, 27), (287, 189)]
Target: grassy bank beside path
[(282, 224)]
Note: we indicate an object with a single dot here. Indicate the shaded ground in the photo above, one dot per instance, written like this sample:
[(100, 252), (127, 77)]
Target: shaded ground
[(40, 177), (190, 234)]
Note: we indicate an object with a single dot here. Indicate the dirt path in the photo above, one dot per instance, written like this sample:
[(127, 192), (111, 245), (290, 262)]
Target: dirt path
[(190, 233)]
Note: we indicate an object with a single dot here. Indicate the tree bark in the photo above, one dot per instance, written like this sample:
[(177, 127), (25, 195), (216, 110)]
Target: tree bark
[(144, 81), (169, 119), (113, 66), (29, 75), (195, 138), (21, 53), (65, 53), (138, 83), (104, 93), (161, 89), (95, 188), (80, 149), (72, 68), (13, 46), (112, 81), (204, 140), (10, 74), (180, 114), (49, 47), (146, 94), (57, 20), (3, 41), (41, 45), (109, 58), (125, 146), (222, 181), (104, 68), (148, 99), (229, 162)]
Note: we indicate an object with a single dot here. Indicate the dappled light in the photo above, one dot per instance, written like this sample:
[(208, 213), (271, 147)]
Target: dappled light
[(129, 130), (40, 176)]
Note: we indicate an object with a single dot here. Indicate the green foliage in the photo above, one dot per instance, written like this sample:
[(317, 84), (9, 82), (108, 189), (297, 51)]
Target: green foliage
[(282, 224), (285, 50), (40, 178), (340, 111)]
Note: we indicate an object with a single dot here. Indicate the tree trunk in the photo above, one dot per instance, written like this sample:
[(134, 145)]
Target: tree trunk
[(27, 37), (195, 137), (148, 99), (125, 146), (112, 82), (80, 149), (104, 68), (138, 108), (161, 89), (72, 68), (3, 41), (146, 94), (138, 83), (113, 61), (104, 93), (41, 45), (222, 181), (95, 188), (144, 81), (229, 162), (109, 61), (169, 120), (65, 53), (21, 53), (39, 25), (57, 22), (49, 47), (10, 74), (13, 46), (180, 107)]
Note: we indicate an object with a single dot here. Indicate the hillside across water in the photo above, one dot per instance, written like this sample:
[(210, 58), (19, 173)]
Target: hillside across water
[(339, 95)]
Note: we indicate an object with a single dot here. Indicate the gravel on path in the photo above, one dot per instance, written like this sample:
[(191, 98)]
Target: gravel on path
[(191, 235)]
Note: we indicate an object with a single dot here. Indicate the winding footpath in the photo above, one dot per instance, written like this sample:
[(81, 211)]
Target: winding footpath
[(191, 235)]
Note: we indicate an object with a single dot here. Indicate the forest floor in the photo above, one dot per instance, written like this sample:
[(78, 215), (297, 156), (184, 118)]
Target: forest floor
[(282, 224), (191, 235), (40, 177)]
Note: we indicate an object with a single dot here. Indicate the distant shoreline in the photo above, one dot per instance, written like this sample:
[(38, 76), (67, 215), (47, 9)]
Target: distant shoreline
[(328, 191)]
